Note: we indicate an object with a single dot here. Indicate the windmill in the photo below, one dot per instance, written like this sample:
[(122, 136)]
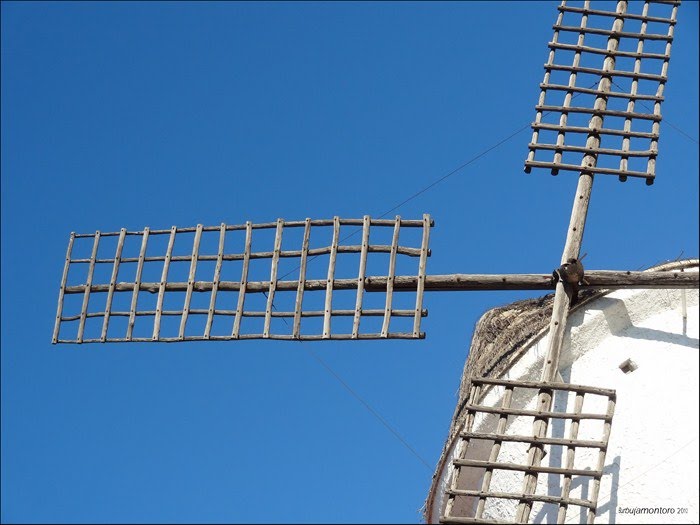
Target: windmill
[(239, 316)]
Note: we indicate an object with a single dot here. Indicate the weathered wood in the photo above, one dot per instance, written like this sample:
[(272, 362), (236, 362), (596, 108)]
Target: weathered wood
[(405, 223), (495, 450), (273, 278), (597, 279), (526, 468), (562, 295), (421, 273), (137, 284), (217, 279), (534, 440), (613, 14), (459, 519), (531, 497), (243, 285), (280, 337), (461, 449), (568, 387), (331, 277), (570, 454), (190, 281), (602, 112), (112, 283), (390, 277), (163, 283), (361, 276), (593, 169), (614, 35), (296, 328), (535, 413), (611, 94), (61, 291), (88, 285), (599, 151), (595, 489), (602, 131)]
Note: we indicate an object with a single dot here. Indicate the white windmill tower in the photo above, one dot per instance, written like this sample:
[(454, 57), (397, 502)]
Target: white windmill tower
[(315, 312)]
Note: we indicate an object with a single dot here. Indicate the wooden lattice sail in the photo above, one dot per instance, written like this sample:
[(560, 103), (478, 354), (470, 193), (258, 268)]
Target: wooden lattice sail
[(227, 303), (600, 105)]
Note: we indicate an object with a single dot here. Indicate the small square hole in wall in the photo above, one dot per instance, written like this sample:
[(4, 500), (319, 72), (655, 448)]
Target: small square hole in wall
[(628, 366)]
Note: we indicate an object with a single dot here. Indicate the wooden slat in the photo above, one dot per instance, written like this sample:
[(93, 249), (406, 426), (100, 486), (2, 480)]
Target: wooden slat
[(390, 277), (527, 468), (421, 274), (137, 284), (495, 450), (570, 455), (551, 385), (279, 337), (612, 94), (599, 151), (461, 449), (361, 276), (601, 454), (62, 289), (190, 281), (331, 277), (614, 34), (273, 279), (217, 278), (531, 497), (614, 14), (515, 438), (296, 328), (592, 169), (88, 285), (535, 413), (162, 284), (602, 131), (112, 283), (244, 281), (601, 112), (601, 51)]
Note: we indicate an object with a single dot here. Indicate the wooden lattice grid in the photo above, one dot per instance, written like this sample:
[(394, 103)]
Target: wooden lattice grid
[(488, 432), (616, 57), (258, 303)]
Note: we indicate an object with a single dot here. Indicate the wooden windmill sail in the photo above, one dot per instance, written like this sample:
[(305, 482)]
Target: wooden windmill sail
[(157, 304)]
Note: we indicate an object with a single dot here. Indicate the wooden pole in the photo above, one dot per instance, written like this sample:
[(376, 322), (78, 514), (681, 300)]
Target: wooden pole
[(562, 296)]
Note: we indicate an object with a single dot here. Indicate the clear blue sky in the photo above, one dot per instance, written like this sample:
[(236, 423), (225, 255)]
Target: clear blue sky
[(158, 114)]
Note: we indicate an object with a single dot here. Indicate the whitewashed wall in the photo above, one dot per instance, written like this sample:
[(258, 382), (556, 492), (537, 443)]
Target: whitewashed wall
[(652, 461)]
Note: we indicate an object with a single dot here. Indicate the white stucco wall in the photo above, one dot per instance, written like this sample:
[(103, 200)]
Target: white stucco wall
[(652, 459)]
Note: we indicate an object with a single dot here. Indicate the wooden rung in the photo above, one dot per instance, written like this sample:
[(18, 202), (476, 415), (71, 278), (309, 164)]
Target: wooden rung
[(596, 151), (616, 34), (390, 277), (568, 387), (614, 14), (603, 112), (534, 413), (602, 131), (361, 276), (190, 281), (534, 440), (88, 284), (331, 277), (137, 283), (163, 282), (594, 169), (244, 281), (606, 52), (61, 291), (273, 278), (603, 73), (302, 279), (112, 283), (526, 468), (617, 94), (217, 278), (421, 274), (526, 497)]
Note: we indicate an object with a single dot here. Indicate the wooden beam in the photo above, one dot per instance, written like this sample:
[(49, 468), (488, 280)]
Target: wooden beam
[(456, 282)]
